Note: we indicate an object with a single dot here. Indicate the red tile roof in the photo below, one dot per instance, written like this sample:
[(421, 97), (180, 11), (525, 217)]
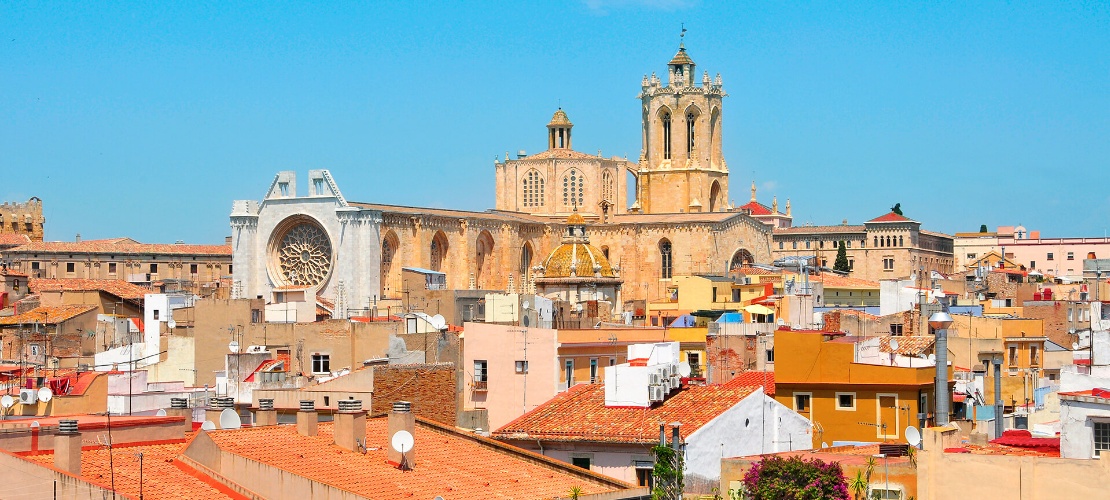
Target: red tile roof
[(448, 463), (907, 345), (47, 315), (891, 217), (756, 208), (13, 239), (163, 475), (122, 246), (580, 414), (119, 288), (753, 379), (840, 228)]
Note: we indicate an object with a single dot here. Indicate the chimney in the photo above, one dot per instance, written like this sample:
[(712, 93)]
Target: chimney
[(400, 419), (216, 407), (227, 240), (179, 407), (78, 238), (67, 447), (306, 418), (266, 414), (350, 425)]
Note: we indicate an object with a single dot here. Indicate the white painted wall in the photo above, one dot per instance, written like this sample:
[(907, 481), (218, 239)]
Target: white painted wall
[(627, 385), (1076, 430), (897, 296)]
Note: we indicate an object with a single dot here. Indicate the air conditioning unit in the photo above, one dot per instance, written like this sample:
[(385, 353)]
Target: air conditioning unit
[(676, 382), (28, 396), (655, 393), (673, 370), (256, 349), (747, 280), (655, 379), (666, 386)]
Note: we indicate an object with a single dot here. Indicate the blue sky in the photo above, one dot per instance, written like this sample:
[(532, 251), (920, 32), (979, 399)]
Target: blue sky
[(148, 119)]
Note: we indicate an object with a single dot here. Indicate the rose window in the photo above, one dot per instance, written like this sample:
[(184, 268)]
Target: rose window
[(303, 255)]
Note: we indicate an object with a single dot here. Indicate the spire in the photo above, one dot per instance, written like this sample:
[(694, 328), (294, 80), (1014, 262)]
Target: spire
[(775, 205), (753, 190), (788, 207)]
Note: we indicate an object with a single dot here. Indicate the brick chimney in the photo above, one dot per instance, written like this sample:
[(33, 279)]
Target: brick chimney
[(350, 425), (179, 407), (306, 418), (401, 419), (266, 414), (67, 447)]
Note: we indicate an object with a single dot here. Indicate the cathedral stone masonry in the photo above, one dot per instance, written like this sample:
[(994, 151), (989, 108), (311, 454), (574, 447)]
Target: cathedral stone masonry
[(23, 218)]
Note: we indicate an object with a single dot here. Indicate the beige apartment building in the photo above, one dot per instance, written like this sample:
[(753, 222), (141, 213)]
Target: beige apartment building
[(889, 246)]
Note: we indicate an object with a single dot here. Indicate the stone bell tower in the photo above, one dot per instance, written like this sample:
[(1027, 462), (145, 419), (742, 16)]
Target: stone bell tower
[(681, 167)]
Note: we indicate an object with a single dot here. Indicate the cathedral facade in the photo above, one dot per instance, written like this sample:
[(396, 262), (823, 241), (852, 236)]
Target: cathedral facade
[(678, 223)]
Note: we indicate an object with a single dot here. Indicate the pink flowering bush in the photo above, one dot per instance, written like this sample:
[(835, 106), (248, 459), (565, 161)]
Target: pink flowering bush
[(777, 478)]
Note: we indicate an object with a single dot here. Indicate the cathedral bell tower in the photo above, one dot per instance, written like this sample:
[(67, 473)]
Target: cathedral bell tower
[(681, 167)]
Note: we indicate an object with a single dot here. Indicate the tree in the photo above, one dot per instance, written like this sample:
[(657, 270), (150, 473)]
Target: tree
[(897, 208), (667, 473), (858, 485), (841, 263), (793, 478), (983, 228)]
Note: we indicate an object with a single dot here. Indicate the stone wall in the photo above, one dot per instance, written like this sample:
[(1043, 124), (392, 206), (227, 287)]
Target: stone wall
[(429, 387)]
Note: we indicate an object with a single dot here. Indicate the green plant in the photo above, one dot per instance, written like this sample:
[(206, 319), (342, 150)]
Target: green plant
[(793, 478), (870, 463), (667, 473), (575, 492), (841, 263), (911, 453), (982, 229), (858, 485)]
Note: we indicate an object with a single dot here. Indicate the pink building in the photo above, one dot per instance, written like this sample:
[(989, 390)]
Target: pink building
[(508, 370), (1058, 257)]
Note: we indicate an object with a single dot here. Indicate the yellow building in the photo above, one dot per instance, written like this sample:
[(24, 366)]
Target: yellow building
[(848, 397), (687, 294), (1019, 341)]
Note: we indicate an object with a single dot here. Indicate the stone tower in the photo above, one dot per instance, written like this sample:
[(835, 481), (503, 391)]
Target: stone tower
[(681, 167)]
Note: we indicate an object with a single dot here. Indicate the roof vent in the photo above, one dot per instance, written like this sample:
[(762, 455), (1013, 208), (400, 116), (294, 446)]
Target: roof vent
[(350, 405), (225, 402), (308, 405), (402, 407), (67, 427), (266, 404), (179, 403)]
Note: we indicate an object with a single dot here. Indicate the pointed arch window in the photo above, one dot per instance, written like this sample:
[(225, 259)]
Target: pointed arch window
[(691, 118), (533, 189), (666, 121), (666, 259), (573, 188), (608, 187)]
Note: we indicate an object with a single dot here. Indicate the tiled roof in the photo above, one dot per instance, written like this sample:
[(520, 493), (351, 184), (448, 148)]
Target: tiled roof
[(832, 280), (562, 153), (163, 475), (856, 313), (448, 463), (119, 288), (579, 257), (891, 217), (47, 315), (580, 414), (559, 118), (681, 58), (907, 346), (842, 228), (122, 246), (755, 271), (756, 208), (13, 239), (753, 379)]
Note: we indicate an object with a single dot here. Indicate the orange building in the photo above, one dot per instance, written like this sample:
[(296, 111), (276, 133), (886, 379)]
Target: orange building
[(848, 393)]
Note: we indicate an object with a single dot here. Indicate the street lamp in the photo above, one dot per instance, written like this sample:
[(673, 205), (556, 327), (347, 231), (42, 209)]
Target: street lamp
[(940, 321)]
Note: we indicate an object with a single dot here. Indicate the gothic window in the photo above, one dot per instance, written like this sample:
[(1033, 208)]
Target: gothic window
[(438, 251), (608, 187), (666, 119), (666, 259), (899, 241), (525, 259), (533, 189), (690, 119), (573, 187)]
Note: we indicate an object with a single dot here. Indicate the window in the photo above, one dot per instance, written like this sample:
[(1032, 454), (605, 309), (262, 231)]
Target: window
[(318, 186), (691, 118), (480, 374), (153, 268), (971, 256), (801, 402), (900, 241), (885, 494), (845, 401), (522, 367), (665, 260), (770, 355), (1013, 355), (36, 349), (1034, 356), (573, 187), (780, 245), (851, 265), (192, 268), (1102, 437), (694, 360), (34, 266), (593, 371), (1071, 255), (896, 328), (794, 244), (70, 267), (321, 363), (533, 189), (665, 119), (1049, 256), (155, 314), (256, 315), (1032, 264), (583, 462), (284, 188), (568, 372), (608, 187), (644, 470), (888, 263), (111, 268), (848, 244), (807, 244)]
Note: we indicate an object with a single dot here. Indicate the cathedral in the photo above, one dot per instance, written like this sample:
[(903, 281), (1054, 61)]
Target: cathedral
[(679, 221)]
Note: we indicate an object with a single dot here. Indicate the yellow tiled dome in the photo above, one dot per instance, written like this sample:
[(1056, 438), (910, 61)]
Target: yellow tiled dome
[(576, 218), (578, 257), (560, 118)]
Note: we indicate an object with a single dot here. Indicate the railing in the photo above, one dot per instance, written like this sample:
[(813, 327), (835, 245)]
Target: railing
[(481, 385)]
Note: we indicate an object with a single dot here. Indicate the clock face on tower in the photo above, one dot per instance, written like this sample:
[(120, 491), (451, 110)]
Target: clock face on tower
[(300, 253)]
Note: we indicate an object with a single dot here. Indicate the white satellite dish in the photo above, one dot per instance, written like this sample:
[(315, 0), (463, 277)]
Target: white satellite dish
[(229, 419), (893, 344), (35, 424), (160, 413), (525, 305), (439, 322), (233, 346), (913, 436), (45, 394), (208, 426), (7, 401), (933, 357), (402, 441), (684, 369), (171, 323)]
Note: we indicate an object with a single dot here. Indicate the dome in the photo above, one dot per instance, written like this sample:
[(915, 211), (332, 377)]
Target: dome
[(576, 218), (581, 258), (559, 118)]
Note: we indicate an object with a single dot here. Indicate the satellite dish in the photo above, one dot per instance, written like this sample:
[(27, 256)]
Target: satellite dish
[(894, 344), (233, 346), (35, 424), (7, 401), (439, 322), (824, 445), (933, 358), (402, 441), (525, 305), (160, 413), (1075, 346), (45, 394), (913, 436), (229, 419), (684, 369), (171, 323), (207, 426)]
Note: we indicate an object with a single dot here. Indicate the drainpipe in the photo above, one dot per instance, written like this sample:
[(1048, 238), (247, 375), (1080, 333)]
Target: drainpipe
[(997, 396)]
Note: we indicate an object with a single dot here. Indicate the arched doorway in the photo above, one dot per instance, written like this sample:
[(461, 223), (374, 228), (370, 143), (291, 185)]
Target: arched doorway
[(740, 258), (390, 246)]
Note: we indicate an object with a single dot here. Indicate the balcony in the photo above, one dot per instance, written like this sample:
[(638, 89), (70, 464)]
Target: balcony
[(481, 386)]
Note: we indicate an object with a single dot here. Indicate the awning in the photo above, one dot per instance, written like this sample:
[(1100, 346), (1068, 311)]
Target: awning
[(758, 309), (959, 398)]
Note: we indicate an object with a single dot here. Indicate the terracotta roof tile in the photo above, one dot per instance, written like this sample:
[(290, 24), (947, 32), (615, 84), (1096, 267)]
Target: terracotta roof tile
[(119, 288), (753, 379), (843, 228), (756, 208), (448, 463), (47, 314), (122, 246), (580, 414), (891, 217), (563, 153), (13, 239), (913, 345)]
